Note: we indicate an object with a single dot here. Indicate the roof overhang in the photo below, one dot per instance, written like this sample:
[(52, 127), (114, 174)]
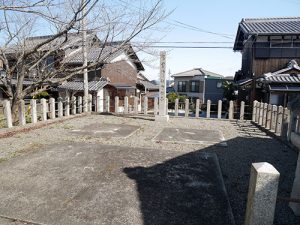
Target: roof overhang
[(122, 86), (284, 88)]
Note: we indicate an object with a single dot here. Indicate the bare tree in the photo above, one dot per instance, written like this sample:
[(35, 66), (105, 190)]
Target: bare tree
[(24, 57)]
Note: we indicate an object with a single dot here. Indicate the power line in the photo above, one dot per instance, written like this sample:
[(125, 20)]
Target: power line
[(184, 42), (189, 47), (184, 25)]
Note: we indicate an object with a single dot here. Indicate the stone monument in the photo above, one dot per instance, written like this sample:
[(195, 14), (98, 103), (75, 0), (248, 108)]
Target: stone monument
[(162, 116)]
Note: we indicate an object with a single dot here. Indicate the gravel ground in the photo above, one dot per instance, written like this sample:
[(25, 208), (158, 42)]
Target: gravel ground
[(246, 144)]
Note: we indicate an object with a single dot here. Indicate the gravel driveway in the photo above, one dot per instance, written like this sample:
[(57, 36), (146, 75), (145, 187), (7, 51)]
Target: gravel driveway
[(246, 144)]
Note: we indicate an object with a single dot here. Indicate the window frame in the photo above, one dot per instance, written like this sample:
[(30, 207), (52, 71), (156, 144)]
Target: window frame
[(196, 86), (181, 86)]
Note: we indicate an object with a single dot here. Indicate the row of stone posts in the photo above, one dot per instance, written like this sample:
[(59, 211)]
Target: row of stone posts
[(47, 109), (272, 117), (145, 107)]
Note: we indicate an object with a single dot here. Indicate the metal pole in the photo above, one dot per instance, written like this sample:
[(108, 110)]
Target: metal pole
[(84, 52)]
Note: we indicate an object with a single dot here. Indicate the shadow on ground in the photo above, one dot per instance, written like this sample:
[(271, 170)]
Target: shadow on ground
[(168, 198), (84, 183)]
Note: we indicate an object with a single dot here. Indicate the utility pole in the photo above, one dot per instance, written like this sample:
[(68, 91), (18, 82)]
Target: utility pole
[(84, 55)]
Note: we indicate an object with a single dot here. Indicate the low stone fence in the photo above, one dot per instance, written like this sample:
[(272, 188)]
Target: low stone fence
[(43, 109), (186, 109), (293, 134), (281, 121)]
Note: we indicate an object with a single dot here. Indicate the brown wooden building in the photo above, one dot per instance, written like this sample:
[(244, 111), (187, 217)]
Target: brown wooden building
[(267, 45)]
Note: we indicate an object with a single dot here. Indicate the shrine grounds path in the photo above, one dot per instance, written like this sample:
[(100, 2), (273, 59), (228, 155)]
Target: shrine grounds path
[(136, 143)]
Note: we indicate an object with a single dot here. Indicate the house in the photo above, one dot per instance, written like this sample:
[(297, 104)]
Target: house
[(267, 46), (115, 75), (282, 86), (199, 84), (146, 88)]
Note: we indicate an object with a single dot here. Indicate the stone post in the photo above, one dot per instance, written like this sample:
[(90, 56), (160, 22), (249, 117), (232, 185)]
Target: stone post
[(208, 109), (85, 105), (67, 106), (257, 112), (262, 194), (107, 104), (44, 109), (126, 108), (116, 104), (73, 110), (269, 117), (135, 105), (219, 109), (176, 106), (231, 110), (279, 119), (254, 111), (7, 113), (291, 125), (274, 118), (145, 105), (60, 107), (242, 111), (265, 111), (33, 111), (73, 105), (22, 117), (167, 106), (186, 107), (79, 105), (296, 190), (90, 103), (99, 104), (155, 106), (197, 108), (52, 108), (261, 113), (285, 122), (162, 90)]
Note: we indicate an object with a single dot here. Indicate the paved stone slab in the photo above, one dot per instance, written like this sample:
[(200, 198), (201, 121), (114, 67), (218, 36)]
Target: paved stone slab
[(107, 130), (191, 136), (85, 184)]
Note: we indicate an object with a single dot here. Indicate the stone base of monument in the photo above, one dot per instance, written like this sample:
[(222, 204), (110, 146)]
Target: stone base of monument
[(159, 118)]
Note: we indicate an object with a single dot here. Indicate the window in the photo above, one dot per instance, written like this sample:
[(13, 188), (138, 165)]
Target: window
[(194, 86), (277, 47), (219, 84), (181, 86)]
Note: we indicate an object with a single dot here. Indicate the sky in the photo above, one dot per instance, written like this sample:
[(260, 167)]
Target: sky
[(215, 16)]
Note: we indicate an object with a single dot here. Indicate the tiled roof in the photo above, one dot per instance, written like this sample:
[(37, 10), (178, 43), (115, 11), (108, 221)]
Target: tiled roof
[(93, 54), (284, 25), (265, 26), (148, 85), (197, 72), (281, 76), (25, 82), (65, 42), (122, 86), (78, 86)]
